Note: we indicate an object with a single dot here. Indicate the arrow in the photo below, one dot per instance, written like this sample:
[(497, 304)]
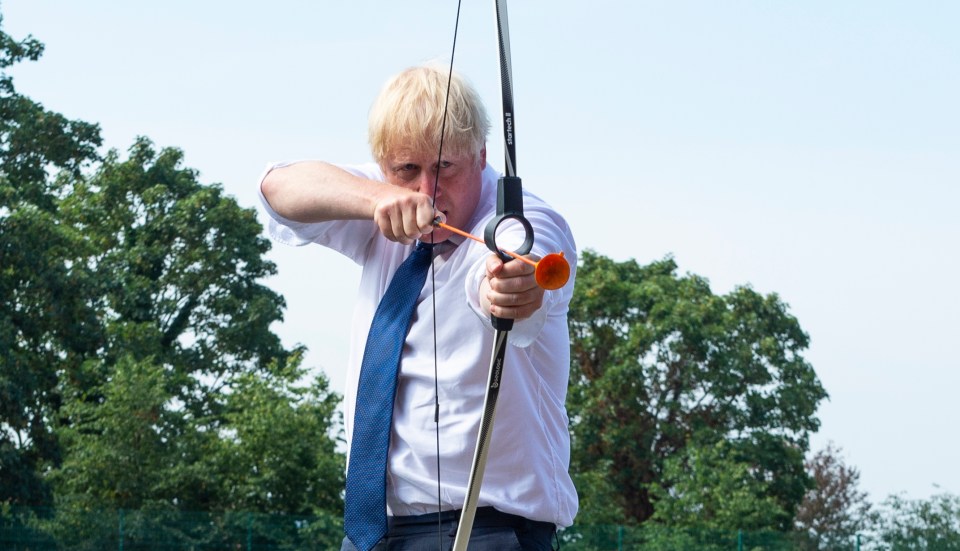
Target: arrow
[(551, 272)]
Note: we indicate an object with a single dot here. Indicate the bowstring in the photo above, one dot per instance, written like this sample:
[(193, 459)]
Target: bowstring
[(433, 282)]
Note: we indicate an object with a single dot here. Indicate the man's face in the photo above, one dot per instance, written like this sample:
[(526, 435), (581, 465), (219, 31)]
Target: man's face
[(458, 191)]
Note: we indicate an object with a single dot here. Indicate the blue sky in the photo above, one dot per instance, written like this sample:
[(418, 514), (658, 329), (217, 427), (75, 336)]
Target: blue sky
[(811, 149)]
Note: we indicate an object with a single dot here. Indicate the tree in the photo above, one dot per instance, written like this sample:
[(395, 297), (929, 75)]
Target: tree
[(835, 509), (138, 369), (177, 267), (919, 525), (279, 456), (706, 487), (658, 360), (135, 449), (134, 321), (189, 381), (43, 334), (125, 448)]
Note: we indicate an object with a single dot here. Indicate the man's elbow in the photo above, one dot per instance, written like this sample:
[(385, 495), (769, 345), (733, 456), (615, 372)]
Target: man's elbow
[(275, 188)]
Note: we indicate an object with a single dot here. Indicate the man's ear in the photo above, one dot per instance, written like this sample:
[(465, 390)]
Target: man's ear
[(483, 157)]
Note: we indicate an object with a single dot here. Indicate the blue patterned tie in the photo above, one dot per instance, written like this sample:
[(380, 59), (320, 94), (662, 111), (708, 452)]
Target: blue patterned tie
[(365, 515)]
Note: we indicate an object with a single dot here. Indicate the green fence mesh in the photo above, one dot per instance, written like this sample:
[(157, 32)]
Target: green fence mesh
[(38, 529), (35, 529)]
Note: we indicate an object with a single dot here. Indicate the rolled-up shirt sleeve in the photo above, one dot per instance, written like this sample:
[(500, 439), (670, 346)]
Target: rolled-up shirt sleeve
[(284, 230), (349, 237)]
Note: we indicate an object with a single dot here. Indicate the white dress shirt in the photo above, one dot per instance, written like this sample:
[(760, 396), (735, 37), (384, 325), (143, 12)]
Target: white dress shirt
[(527, 470)]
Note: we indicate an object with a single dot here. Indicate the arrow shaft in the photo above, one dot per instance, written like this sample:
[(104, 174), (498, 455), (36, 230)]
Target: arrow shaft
[(479, 240)]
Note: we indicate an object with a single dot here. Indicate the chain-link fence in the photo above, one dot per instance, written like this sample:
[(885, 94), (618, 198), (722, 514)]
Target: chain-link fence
[(37, 529), (65, 529), (652, 537)]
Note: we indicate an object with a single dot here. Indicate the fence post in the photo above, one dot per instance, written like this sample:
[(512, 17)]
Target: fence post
[(249, 531), (739, 540), (858, 542), (120, 526), (619, 537)]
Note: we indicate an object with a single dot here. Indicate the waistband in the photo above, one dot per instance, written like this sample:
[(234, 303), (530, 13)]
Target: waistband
[(485, 517)]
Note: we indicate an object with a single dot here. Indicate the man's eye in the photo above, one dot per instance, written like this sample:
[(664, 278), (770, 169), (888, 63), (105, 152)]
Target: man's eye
[(406, 170), (445, 164)]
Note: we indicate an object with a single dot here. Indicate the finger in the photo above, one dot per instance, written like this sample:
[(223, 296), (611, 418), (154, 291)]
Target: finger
[(494, 266), (408, 225), (516, 268), (515, 300), (506, 282), (425, 217), (515, 305), (514, 285), (397, 226), (395, 231), (384, 221)]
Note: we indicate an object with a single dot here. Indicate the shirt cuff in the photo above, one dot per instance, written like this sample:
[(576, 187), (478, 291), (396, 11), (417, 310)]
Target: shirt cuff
[(284, 230), (524, 331)]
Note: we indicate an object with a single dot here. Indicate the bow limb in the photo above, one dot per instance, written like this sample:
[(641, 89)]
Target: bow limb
[(509, 207)]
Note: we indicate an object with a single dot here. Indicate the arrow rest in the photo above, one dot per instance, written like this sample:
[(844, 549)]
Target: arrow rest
[(509, 207)]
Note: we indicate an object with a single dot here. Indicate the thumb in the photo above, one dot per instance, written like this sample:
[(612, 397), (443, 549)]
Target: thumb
[(494, 265)]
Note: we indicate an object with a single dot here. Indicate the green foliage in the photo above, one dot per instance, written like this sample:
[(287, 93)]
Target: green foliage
[(657, 537), (38, 529), (138, 369), (32, 139), (270, 452), (42, 334), (919, 525), (279, 456), (707, 487), (189, 382), (660, 363), (121, 446), (177, 266)]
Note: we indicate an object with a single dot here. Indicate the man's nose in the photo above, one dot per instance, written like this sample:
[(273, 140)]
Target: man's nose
[(428, 181)]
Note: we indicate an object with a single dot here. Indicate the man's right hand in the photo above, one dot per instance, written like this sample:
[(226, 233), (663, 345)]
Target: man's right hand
[(404, 216)]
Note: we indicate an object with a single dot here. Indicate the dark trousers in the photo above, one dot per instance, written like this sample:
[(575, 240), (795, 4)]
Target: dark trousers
[(492, 531)]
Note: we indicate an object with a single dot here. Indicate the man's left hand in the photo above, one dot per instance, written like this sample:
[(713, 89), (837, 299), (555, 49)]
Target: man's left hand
[(510, 290)]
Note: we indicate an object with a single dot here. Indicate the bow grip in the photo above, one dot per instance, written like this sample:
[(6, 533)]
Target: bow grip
[(509, 207)]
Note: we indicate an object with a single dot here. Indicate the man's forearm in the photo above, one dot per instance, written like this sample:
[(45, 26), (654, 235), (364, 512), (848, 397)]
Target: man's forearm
[(314, 191)]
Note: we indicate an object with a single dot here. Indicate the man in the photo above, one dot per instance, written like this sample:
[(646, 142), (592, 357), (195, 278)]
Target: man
[(374, 214)]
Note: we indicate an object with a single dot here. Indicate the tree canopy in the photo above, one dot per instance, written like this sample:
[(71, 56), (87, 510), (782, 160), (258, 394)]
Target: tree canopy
[(834, 510), (41, 340), (667, 376), (903, 524), (138, 367)]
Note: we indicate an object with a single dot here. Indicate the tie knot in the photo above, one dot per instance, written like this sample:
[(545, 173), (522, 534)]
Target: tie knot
[(423, 245)]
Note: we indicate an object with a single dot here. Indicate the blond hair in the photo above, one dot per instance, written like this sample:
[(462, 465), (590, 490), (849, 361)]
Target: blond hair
[(408, 114)]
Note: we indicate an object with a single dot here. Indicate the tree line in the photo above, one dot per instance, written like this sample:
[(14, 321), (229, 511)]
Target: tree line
[(138, 369), (137, 364)]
